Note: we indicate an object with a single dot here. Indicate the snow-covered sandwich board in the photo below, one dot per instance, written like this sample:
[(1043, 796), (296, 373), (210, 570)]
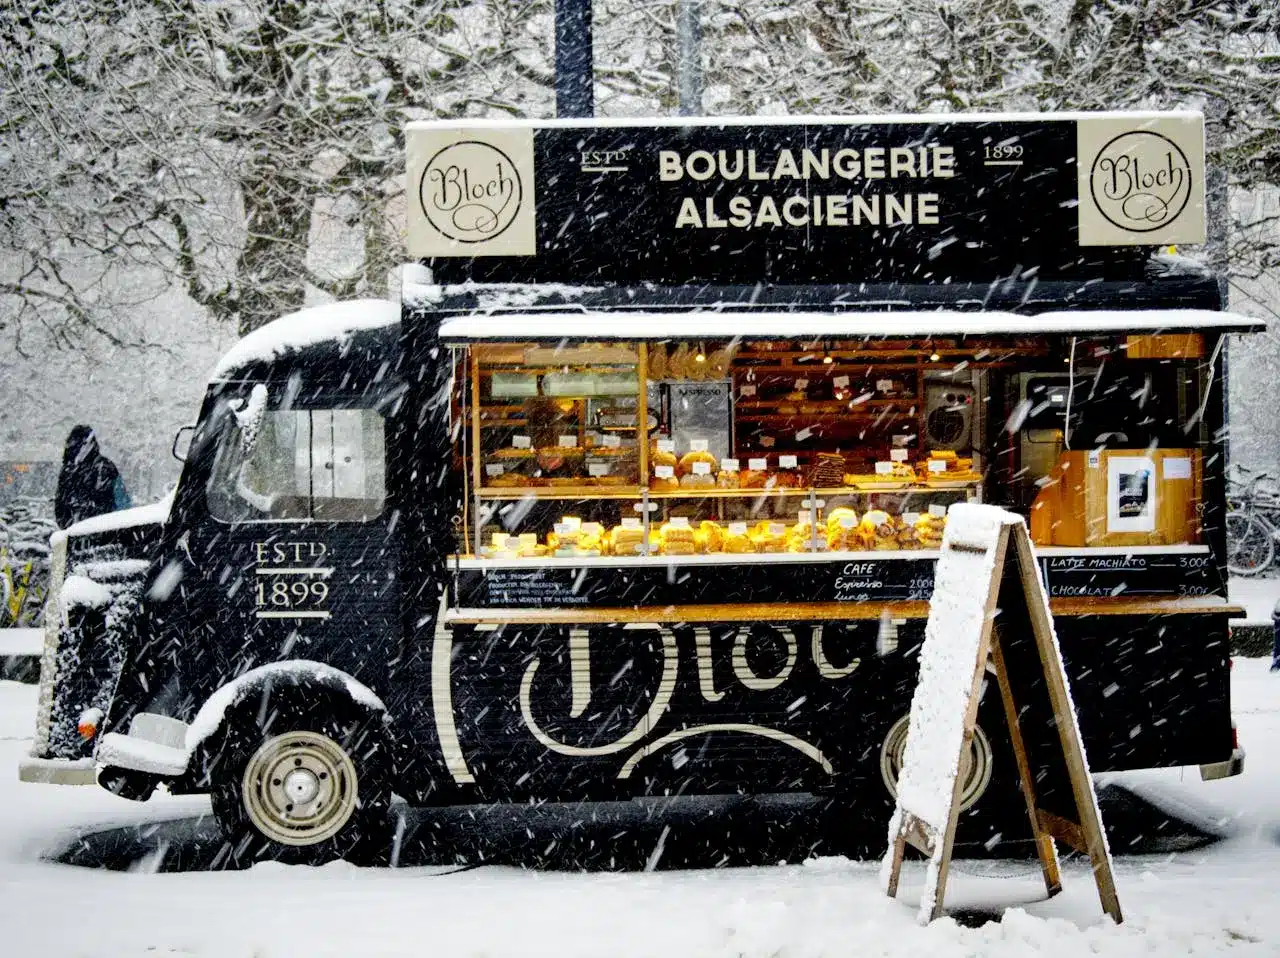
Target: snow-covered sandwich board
[(987, 570)]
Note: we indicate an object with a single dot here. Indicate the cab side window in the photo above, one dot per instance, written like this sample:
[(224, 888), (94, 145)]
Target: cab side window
[(327, 464)]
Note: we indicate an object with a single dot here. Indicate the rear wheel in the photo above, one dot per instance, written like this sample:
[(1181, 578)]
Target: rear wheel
[(1250, 547), (307, 785)]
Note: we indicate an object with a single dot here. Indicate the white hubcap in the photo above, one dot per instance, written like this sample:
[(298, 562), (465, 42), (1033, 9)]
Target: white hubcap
[(299, 788), (975, 763)]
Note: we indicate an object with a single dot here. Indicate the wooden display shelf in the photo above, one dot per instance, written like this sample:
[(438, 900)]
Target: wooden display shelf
[(829, 417), (559, 492)]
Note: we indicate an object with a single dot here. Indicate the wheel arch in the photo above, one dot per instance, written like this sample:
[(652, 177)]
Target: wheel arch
[(294, 677)]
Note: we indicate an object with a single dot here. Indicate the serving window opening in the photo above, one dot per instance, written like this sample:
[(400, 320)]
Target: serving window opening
[(695, 447)]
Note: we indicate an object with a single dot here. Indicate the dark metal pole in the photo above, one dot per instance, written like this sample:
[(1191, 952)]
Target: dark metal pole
[(574, 95), (688, 34)]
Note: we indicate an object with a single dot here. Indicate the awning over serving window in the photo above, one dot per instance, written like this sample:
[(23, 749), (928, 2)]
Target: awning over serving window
[(765, 325)]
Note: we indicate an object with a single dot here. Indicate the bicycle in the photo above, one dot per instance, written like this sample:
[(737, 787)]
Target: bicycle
[(24, 565), (1253, 524)]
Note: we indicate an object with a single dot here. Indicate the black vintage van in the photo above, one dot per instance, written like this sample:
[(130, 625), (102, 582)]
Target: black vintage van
[(639, 490)]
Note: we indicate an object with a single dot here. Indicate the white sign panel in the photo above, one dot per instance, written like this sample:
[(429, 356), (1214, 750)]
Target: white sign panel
[(1131, 494), (1141, 180), (471, 192)]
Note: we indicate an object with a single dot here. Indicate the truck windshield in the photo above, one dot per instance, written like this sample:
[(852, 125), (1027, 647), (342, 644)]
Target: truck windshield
[(327, 464)]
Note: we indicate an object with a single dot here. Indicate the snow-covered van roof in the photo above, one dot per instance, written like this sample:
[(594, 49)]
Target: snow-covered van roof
[(766, 324), (333, 322)]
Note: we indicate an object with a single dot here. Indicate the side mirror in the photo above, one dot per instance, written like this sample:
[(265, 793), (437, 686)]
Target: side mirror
[(182, 443)]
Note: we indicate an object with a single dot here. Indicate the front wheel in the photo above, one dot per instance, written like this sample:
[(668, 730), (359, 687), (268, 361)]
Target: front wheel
[(1250, 546), (307, 787)]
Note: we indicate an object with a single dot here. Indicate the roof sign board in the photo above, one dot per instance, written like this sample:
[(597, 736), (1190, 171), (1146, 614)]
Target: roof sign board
[(921, 199)]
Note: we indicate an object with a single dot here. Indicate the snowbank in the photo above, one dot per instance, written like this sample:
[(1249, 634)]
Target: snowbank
[(307, 327)]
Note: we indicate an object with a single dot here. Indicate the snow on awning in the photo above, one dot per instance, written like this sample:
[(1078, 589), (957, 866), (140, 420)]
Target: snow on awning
[(793, 325)]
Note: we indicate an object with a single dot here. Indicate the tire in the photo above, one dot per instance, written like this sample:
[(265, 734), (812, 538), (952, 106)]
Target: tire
[(1250, 547), (993, 817), (303, 782)]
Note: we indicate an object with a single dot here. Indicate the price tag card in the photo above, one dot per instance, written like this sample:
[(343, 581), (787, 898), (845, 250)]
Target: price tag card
[(697, 445), (911, 518), (664, 472), (564, 529), (884, 385), (898, 455), (788, 462), (573, 522), (936, 510), (598, 469), (747, 390), (1179, 468), (666, 445), (840, 382), (803, 517), (937, 465), (737, 528), (611, 441), (729, 465), (802, 385), (493, 469), (847, 522), (521, 442), (568, 442), (757, 465), (777, 528), (679, 522), (884, 468), (632, 522), (702, 468)]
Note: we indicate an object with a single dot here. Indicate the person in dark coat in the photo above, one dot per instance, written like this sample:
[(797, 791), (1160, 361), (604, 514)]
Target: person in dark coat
[(89, 483)]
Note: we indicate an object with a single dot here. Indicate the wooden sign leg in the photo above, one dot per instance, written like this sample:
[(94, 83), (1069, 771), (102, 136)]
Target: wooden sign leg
[(1043, 841), (895, 869)]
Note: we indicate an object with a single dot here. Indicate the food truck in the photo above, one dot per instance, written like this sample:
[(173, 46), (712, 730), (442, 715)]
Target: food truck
[(639, 490)]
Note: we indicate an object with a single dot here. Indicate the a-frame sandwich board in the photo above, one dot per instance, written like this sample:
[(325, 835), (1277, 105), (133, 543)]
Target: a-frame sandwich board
[(989, 606)]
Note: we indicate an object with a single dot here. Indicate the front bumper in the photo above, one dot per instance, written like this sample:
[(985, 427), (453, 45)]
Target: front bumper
[(1232, 766), (57, 771)]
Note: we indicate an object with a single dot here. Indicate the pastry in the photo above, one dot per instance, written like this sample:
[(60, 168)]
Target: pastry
[(698, 480), (625, 541), (689, 459), (709, 537), (727, 480)]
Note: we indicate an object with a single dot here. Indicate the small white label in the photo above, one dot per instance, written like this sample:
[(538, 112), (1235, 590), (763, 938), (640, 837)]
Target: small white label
[(757, 465), (729, 465), (936, 510), (884, 385), (568, 442), (777, 528), (937, 465), (847, 522), (521, 442), (804, 517), (802, 385), (573, 522), (494, 469), (840, 382), (911, 518), (1095, 458), (747, 390), (898, 455), (697, 445), (737, 528), (679, 522), (632, 522), (702, 468), (884, 468), (788, 462), (610, 441), (664, 472), (666, 445), (564, 529), (1177, 468), (598, 469)]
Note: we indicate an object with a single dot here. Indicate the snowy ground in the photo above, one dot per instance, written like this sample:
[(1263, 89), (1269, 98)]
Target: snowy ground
[(1258, 596), (1221, 899)]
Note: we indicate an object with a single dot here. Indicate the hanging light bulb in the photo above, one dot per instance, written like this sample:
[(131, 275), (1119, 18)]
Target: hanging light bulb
[(934, 357), (701, 355)]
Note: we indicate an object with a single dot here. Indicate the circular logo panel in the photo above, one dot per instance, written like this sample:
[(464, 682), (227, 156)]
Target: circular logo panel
[(1140, 181), (470, 191)]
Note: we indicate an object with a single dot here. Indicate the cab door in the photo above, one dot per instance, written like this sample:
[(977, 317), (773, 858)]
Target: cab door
[(298, 556)]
